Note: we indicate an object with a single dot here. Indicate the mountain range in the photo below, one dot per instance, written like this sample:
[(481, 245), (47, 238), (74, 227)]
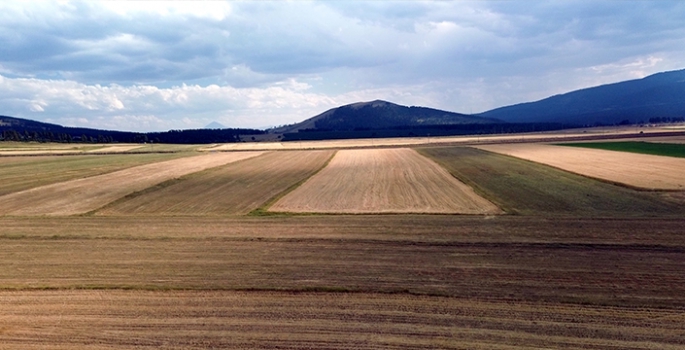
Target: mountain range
[(661, 95), (655, 98)]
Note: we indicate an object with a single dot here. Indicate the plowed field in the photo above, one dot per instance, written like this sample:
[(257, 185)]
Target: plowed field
[(233, 189), (331, 282), (384, 181), (636, 170), (269, 320), (87, 194)]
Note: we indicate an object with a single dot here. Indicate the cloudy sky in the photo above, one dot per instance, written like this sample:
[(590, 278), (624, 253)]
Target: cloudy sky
[(151, 65)]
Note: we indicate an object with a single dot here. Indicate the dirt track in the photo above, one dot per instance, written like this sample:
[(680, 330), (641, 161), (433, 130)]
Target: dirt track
[(636, 170), (384, 181), (83, 195)]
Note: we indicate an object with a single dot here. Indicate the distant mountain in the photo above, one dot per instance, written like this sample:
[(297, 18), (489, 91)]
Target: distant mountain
[(379, 115), (17, 129), (215, 125), (661, 95)]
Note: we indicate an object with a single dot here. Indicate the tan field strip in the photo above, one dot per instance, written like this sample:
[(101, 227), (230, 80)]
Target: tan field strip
[(636, 170), (86, 194), (384, 181), (228, 190), (22, 173), (115, 149)]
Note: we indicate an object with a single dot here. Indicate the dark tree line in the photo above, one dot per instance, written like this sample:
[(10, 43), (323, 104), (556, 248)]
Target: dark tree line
[(425, 130), (15, 129)]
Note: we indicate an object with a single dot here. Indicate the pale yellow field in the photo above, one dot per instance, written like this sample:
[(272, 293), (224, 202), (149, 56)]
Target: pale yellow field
[(383, 181), (86, 194), (636, 170), (115, 149)]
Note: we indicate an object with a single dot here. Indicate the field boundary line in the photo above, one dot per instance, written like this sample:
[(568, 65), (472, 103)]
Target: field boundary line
[(460, 177), (163, 185), (263, 210)]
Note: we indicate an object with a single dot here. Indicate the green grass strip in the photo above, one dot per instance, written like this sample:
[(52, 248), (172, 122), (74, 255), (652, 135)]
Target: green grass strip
[(659, 149)]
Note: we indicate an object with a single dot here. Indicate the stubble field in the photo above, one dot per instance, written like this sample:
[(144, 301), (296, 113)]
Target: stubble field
[(632, 169), (82, 195), (383, 181), (235, 189), (571, 263)]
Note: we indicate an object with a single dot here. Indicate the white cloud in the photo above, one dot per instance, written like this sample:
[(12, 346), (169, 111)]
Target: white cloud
[(170, 64)]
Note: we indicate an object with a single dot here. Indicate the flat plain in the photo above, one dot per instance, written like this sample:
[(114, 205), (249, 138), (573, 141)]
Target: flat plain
[(392, 281), (528, 188), (571, 263), (632, 169), (655, 148), (26, 172), (235, 189), (383, 181), (86, 194)]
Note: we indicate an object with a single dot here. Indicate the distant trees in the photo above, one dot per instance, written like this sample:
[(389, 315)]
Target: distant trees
[(81, 135), (659, 120)]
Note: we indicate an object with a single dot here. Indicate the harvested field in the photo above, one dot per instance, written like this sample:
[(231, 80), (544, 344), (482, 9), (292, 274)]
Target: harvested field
[(383, 181), (115, 149), (87, 194), (591, 262), (522, 187), (389, 281), (635, 170), (237, 188), (22, 173), (216, 319)]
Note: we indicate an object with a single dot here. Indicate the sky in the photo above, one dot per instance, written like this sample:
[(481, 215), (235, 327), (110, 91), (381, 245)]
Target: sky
[(162, 65)]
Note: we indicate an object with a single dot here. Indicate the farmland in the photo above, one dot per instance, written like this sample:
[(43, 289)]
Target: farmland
[(194, 251), (383, 181), (237, 188), (523, 187), (360, 281), (86, 194), (23, 173), (631, 169), (659, 149)]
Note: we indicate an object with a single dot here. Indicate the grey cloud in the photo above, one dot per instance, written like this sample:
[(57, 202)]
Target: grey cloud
[(458, 55)]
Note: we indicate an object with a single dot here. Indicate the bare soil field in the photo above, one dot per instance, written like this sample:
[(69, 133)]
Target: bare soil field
[(22, 173), (526, 188), (393, 281), (234, 189), (83, 195), (636, 170), (383, 181), (271, 320)]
